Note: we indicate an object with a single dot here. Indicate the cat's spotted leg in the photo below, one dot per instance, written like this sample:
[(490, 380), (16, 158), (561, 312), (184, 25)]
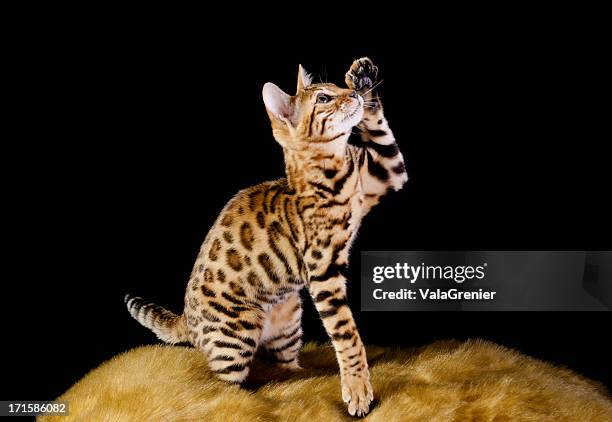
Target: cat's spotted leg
[(328, 291), (282, 337), (229, 336), (383, 165)]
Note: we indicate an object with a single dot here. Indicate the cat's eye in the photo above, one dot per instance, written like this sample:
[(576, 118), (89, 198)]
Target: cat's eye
[(323, 98)]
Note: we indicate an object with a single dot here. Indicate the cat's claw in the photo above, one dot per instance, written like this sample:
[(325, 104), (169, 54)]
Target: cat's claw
[(362, 75)]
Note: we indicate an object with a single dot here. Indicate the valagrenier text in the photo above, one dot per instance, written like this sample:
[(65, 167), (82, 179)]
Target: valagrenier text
[(433, 294)]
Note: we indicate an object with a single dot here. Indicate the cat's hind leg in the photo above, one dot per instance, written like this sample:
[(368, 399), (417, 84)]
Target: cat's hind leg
[(283, 334), (229, 337)]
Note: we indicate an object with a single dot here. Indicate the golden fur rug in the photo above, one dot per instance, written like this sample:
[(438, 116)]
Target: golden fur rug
[(445, 381)]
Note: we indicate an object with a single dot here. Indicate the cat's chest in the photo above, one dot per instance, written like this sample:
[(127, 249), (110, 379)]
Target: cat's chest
[(335, 216)]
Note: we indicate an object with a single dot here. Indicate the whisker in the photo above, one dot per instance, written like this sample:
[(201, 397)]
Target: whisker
[(371, 89)]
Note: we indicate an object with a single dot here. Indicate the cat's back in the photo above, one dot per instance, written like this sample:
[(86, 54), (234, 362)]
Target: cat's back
[(254, 203), (254, 245), (254, 223)]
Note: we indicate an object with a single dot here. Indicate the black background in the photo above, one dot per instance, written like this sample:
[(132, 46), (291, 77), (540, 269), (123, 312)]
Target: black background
[(134, 139)]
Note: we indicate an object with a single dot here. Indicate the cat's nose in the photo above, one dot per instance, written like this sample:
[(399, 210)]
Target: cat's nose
[(353, 94)]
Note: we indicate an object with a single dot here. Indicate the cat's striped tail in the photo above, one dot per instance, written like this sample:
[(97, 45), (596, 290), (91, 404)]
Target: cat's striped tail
[(168, 326)]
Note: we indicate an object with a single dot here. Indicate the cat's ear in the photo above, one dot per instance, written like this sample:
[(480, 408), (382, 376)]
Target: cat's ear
[(278, 103), (304, 78)]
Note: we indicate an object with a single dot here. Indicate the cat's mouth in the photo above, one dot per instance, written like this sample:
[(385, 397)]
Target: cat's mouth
[(352, 113)]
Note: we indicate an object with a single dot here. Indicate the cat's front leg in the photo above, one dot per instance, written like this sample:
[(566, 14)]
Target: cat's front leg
[(329, 295), (383, 164)]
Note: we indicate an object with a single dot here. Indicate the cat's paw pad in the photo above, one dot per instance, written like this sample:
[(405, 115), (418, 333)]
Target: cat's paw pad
[(357, 393), (362, 75)]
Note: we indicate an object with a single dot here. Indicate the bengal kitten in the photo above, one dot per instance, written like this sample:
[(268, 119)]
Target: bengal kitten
[(275, 238)]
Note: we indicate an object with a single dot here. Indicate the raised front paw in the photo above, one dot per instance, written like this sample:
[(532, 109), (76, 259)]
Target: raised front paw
[(357, 393), (362, 74)]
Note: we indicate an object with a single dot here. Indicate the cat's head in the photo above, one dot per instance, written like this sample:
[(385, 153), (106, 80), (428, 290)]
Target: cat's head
[(317, 113)]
